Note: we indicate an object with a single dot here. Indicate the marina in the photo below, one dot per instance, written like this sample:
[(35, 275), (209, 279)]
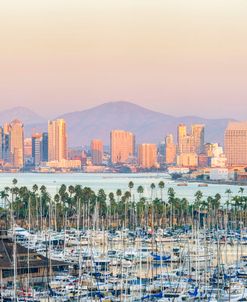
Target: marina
[(133, 245)]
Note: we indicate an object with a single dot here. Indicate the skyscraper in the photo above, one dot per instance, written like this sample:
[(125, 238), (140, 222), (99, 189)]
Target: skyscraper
[(122, 146), (97, 151), (191, 143), (147, 156), (170, 150), (6, 147), (198, 136), (181, 134), (236, 144), (1, 143), (57, 140), (6, 143), (44, 147), (16, 143), (6, 128), (36, 148), (27, 149)]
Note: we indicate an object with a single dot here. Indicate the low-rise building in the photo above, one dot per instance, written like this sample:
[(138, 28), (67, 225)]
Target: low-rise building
[(187, 160), (38, 264), (64, 164), (218, 174)]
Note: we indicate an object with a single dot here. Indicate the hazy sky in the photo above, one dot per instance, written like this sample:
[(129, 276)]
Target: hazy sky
[(176, 56)]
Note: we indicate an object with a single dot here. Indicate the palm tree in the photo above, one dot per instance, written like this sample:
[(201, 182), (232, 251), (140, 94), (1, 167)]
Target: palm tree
[(127, 196), (152, 186), (14, 182), (228, 202), (161, 186), (4, 196), (43, 189), (71, 190), (35, 189), (112, 206), (241, 191), (140, 191), (131, 185), (197, 205), (56, 213), (216, 206), (140, 210), (101, 197), (119, 194), (171, 201)]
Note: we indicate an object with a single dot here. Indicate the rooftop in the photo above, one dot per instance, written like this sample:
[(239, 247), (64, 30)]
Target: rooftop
[(237, 126)]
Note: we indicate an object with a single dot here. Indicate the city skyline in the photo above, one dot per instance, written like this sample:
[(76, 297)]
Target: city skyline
[(148, 125), (91, 52), (48, 152)]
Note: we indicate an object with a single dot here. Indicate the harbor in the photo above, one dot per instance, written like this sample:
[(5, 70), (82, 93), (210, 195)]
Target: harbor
[(133, 245)]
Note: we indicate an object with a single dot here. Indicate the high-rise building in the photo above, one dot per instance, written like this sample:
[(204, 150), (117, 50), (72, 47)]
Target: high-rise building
[(191, 143), (6, 128), (186, 143), (36, 148), (6, 147), (1, 143), (97, 152), (198, 136), (57, 140), (161, 152), (6, 143), (170, 150), (181, 135), (236, 144), (122, 146), (16, 143), (28, 149), (44, 147), (147, 156)]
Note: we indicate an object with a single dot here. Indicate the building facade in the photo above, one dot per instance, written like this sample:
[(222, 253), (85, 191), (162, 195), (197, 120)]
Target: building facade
[(236, 144), (97, 152), (198, 131), (36, 148), (1, 143), (44, 147), (16, 143), (189, 160), (122, 146), (170, 150), (181, 135), (147, 156), (57, 140)]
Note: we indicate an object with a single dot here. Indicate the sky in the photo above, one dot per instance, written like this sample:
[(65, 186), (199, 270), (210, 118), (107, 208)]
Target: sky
[(180, 57)]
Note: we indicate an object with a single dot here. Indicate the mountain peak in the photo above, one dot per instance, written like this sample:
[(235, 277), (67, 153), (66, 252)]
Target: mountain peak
[(148, 126), (23, 114)]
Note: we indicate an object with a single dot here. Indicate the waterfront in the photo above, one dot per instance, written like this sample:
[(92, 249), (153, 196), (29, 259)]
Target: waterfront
[(112, 182), (98, 237)]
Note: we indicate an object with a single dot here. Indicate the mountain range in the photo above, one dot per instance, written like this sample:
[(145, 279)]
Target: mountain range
[(149, 126)]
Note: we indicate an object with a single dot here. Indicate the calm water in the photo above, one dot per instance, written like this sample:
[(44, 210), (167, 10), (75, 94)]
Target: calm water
[(112, 182)]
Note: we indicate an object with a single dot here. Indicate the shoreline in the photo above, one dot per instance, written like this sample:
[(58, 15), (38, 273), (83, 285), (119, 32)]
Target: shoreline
[(217, 182)]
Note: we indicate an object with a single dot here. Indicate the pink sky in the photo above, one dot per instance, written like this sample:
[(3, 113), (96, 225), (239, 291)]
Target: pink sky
[(174, 56)]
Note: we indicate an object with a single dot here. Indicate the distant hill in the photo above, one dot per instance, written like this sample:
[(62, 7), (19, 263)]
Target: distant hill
[(26, 115), (148, 125), (97, 122)]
